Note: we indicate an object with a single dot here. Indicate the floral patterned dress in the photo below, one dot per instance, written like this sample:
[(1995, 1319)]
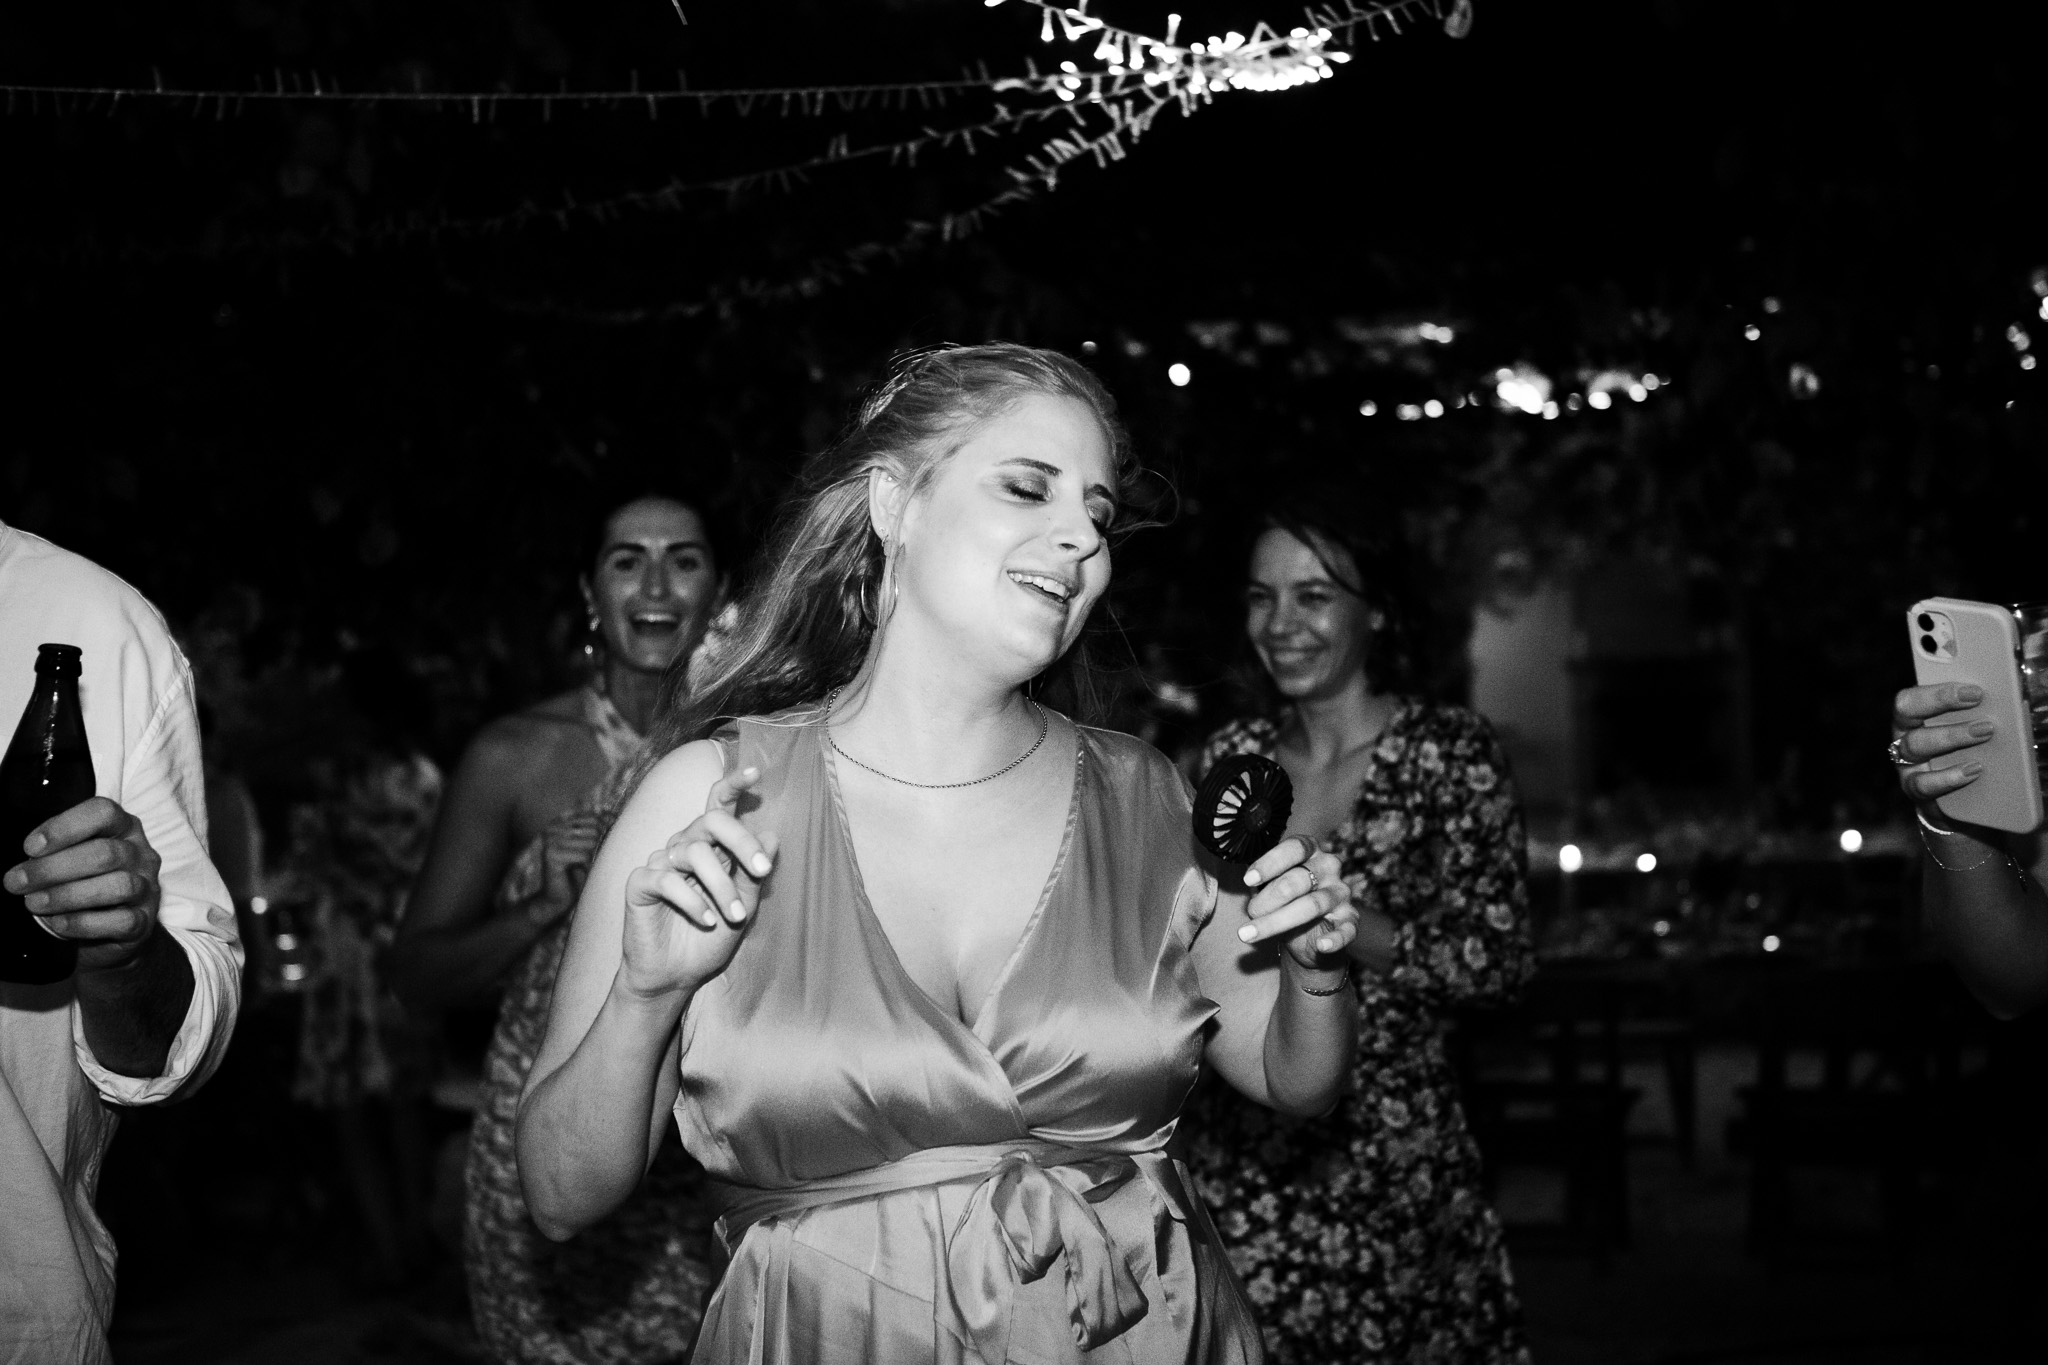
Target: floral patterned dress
[(631, 1290), (1362, 1236)]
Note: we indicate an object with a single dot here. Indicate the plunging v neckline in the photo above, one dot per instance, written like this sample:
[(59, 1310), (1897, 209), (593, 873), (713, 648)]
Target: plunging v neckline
[(866, 909)]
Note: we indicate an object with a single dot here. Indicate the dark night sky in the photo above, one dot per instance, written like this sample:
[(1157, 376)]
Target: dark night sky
[(222, 378)]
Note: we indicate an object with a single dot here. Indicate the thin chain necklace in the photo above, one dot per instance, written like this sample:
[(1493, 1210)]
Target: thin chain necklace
[(1044, 725)]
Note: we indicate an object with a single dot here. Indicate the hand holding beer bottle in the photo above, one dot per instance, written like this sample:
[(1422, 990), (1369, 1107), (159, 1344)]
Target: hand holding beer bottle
[(87, 895)]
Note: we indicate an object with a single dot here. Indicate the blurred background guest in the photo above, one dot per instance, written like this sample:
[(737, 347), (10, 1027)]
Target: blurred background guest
[(491, 911), (1363, 1235), (363, 1059)]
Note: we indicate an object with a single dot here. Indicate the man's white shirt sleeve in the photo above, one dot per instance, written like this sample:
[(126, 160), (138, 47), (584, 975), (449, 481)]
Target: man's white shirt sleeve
[(163, 785)]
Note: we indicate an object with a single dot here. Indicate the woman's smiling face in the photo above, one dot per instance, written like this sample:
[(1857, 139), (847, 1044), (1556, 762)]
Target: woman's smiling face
[(1309, 629), (654, 586), (1004, 550)]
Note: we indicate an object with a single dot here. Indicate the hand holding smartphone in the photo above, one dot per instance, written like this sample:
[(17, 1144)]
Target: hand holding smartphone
[(1957, 643)]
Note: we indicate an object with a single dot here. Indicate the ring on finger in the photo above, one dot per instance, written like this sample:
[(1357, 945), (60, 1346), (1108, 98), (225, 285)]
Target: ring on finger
[(1897, 755), (1313, 880)]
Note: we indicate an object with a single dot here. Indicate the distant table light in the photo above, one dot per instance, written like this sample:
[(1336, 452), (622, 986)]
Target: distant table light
[(1599, 398), (1178, 375), (258, 905), (1368, 408), (1570, 859), (1772, 943), (1646, 862), (1433, 408), (1750, 331), (1852, 839)]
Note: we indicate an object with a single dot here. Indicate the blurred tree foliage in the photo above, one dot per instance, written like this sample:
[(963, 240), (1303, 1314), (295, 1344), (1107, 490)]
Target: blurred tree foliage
[(245, 376)]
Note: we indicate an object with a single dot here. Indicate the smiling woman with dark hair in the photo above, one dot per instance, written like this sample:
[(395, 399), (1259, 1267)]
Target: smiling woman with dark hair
[(1362, 1235), (489, 911)]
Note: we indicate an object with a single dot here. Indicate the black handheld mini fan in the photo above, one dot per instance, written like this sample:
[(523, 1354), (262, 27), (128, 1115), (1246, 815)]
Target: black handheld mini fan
[(1242, 806)]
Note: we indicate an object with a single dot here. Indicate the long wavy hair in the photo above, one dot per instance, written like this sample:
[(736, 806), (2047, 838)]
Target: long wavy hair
[(808, 613)]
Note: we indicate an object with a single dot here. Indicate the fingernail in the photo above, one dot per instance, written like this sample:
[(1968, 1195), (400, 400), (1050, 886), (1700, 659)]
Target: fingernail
[(739, 909), (1972, 769), (36, 900), (1326, 945), (1248, 933), (1252, 877), (36, 842), (761, 864), (1981, 727), (14, 880), (750, 772), (1970, 692)]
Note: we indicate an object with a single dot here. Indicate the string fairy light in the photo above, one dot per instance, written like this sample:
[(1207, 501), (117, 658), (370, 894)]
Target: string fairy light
[(1132, 79), (1262, 60), (482, 106)]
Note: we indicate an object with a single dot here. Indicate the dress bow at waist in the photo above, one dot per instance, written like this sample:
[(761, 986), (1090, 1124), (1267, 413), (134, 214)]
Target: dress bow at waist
[(1032, 1201)]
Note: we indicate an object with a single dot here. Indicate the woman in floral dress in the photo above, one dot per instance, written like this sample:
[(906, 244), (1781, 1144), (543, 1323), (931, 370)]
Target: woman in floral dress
[(1362, 1236), (492, 910)]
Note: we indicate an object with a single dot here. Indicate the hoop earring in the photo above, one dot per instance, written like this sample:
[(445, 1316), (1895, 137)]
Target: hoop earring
[(868, 610)]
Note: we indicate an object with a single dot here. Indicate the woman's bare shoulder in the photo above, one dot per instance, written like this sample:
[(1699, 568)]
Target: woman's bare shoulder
[(677, 785), (533, 741)]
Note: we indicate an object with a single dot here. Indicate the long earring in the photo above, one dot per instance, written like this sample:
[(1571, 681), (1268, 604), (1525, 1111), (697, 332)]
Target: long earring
[(590, 639)]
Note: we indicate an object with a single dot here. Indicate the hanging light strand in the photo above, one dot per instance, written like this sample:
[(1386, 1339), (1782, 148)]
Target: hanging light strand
[(1262, 60)]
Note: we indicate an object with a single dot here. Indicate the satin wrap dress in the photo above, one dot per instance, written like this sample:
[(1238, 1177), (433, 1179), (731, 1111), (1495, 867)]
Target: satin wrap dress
[(898, 1187)]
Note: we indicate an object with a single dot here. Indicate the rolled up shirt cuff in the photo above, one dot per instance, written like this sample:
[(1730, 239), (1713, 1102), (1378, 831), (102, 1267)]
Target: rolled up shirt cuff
[(201, 1038)]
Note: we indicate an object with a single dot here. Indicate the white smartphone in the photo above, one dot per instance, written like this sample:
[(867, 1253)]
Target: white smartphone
[(1979, 642)]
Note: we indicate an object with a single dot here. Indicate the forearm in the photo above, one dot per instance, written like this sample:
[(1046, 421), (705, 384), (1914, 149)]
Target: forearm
[(438, 969), (584, 1131), (1990, 920), (1310, 1039), (131, 1013)]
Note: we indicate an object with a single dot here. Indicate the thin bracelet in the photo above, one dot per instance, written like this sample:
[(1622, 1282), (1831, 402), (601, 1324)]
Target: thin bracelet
[(1311, 990), (1929, 827)]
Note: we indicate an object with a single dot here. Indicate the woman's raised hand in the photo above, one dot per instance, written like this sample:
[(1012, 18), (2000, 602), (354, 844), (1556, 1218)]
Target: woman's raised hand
[(1915, 740), (1301, 899), (689, 903)]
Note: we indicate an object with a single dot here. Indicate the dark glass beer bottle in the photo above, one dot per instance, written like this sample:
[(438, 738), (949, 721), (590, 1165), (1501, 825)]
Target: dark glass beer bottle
[(48, 769)]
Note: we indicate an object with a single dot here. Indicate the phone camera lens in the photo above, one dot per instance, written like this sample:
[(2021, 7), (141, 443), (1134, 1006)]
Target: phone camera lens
[(1924, 621), (1927, 643)]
